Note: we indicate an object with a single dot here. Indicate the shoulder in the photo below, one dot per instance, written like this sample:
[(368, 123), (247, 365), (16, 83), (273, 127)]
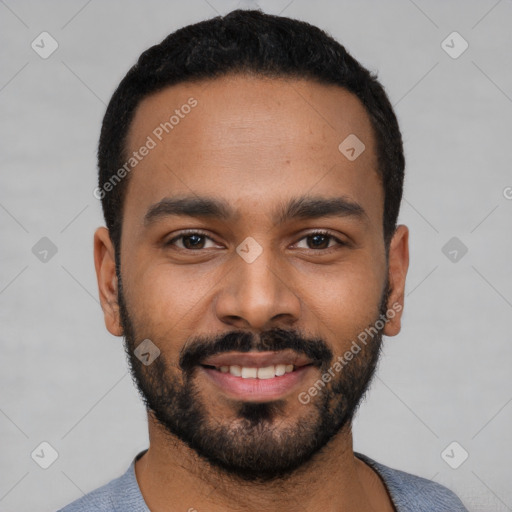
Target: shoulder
[(414, 493), (99, 500), (119, 495)]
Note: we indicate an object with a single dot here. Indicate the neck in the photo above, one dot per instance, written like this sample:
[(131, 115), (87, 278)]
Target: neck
[(172, 476)]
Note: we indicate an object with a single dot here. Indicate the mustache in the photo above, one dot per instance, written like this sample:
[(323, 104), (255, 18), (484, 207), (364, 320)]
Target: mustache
[(274, 340)]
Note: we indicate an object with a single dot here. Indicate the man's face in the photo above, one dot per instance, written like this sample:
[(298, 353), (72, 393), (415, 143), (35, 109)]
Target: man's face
[(251, 270)]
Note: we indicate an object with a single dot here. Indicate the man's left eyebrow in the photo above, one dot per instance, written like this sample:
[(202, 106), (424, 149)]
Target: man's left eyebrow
[(303, 207), (311, 207)]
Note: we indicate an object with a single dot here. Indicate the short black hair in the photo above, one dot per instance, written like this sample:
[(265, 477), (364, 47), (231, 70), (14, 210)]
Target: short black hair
[(251, 42)]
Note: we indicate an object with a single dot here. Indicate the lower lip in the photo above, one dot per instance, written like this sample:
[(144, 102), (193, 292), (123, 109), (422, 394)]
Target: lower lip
[(257, 390)]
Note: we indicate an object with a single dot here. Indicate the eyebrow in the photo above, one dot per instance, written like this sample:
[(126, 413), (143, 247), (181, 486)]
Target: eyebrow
[(304, 207)]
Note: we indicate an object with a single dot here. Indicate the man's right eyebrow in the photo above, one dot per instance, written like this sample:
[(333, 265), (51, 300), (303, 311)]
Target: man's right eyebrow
[(206, 207)]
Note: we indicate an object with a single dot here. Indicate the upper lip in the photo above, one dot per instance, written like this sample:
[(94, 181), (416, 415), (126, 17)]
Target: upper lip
[(257, 359)]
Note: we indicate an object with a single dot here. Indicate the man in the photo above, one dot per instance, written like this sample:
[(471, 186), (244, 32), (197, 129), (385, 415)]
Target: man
[(250, 173)]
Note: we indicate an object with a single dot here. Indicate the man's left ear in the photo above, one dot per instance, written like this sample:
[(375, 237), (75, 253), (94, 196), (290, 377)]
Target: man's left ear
[(398, 263)]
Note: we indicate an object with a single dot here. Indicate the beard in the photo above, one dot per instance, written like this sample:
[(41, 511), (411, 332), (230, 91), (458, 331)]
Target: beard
[(257, 442)]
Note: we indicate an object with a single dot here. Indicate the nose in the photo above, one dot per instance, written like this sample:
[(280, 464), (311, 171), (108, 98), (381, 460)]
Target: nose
[(257, 294)]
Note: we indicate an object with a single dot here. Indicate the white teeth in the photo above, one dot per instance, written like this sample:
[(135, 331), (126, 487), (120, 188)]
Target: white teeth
[(280, 369), (235, 370), (249, 373), (268, 372)]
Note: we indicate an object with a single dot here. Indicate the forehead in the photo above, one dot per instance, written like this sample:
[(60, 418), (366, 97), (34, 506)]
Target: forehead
[(252, 140)]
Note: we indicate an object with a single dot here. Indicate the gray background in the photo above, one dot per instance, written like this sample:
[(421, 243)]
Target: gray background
[(445, 378)]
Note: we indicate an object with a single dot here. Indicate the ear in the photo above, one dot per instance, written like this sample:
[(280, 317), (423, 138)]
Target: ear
[(105, 264), (398, 260)]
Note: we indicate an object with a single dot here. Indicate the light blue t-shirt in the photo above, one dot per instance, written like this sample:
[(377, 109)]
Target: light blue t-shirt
[(409, 493)]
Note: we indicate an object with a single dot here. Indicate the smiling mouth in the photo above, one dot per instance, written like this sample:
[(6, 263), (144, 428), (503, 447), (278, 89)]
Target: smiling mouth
[(257, 376), (257, 384), (248, 372)]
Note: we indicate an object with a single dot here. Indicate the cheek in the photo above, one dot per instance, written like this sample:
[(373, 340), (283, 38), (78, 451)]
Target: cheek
[(344, 301), (161, 299)]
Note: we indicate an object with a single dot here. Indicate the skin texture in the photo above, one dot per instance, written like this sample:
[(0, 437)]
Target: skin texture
[(255, 143)]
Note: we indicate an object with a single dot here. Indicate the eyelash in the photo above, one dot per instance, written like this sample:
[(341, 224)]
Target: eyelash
[(184, 234)]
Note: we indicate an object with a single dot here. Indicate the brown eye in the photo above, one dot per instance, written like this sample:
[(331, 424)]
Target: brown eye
[(189, 241), (320, 241), (193, 241)]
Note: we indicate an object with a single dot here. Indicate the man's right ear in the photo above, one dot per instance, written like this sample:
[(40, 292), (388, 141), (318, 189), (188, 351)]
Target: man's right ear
[(105, 264)]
